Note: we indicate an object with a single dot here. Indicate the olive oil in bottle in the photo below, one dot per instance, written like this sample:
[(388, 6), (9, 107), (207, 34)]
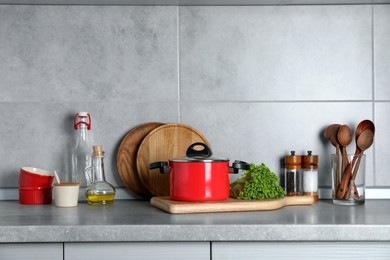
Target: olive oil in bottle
[(100, 198), (99, 192)]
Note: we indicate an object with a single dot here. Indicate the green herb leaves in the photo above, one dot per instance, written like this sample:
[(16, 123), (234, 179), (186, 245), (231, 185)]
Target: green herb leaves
[(257, 183)]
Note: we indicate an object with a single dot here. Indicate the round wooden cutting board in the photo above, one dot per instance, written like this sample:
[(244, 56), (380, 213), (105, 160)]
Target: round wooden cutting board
[(164, 143), (127, 156)]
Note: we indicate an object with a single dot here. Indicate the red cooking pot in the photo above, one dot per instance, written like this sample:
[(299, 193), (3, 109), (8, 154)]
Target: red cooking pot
[(199, 176)]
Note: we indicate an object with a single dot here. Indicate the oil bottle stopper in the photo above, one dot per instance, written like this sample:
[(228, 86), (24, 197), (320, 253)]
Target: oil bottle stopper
[(98, 151)]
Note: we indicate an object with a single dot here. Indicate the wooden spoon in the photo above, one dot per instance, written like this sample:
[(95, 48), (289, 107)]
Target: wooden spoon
[(335, 142), (328, 131), (365, 140), (363, 125), (344, 137)]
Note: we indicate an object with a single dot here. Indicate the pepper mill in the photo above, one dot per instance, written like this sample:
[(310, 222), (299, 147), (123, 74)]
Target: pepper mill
[(293, 176)]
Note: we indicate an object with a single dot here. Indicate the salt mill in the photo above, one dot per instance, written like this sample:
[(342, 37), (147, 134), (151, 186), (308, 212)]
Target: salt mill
[(310, 175)]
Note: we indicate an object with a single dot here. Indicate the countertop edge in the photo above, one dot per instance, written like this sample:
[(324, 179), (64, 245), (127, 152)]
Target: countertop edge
[(166, 233), (138, 221)]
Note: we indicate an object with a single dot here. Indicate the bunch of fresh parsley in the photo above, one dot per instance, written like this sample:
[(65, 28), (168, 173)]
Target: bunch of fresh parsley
[(257, 183)]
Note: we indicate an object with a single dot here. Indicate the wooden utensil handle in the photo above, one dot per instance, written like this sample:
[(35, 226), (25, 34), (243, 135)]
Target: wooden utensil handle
[(345, 159), (356, 168), (348, 192), (353, 176), (355, 192), (337, 167), (342, 189)]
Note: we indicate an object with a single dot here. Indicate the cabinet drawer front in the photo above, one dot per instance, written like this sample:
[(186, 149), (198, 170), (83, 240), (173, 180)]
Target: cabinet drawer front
[(300, 250), (41, 251), (138, 250)]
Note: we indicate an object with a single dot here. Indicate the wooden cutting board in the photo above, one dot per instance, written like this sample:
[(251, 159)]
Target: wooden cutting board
[(229, 205), (164, 143), (127, 156)]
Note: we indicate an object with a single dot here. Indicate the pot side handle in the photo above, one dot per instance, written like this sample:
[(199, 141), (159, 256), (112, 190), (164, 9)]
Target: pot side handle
[(163, 166), (239, 165)]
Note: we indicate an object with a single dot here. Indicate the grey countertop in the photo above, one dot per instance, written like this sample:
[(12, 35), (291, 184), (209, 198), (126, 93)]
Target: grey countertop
[(139, 221), (189, 2)]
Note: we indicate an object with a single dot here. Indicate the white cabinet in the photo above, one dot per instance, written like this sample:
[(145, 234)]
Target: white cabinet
[(196, 250), (27, 251), (300, 250), (137, 250)]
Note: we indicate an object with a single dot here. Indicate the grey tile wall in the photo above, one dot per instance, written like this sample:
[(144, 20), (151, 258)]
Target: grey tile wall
[(256, 81), (382, 53), (382, 92), (275, 53), (262, 81), (266, 132), (382, 143), (118, 63), (79, 54)]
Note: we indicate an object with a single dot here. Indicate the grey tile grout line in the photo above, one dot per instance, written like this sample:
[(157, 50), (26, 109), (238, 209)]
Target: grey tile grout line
[(373, 82), (200, 101), (47, 3), (285, 101), (211, 250), (178, 64)]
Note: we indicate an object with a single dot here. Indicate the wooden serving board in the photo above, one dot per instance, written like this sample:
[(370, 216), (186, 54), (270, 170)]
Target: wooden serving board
[(229, 205), (164, 143), (127, 156)]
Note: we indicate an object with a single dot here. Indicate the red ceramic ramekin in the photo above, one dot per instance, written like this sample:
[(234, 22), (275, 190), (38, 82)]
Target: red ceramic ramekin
[(35, 195), (35, 177)]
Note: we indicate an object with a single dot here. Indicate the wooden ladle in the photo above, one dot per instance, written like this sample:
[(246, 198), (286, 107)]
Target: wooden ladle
[(362, 126), (344, 137), (365, 140)]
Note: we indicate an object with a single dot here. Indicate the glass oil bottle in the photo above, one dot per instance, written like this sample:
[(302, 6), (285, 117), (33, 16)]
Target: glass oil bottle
[(81, 155), (99, 192)]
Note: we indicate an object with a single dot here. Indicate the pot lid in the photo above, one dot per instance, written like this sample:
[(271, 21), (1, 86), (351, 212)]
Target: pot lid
[(194, 154)]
